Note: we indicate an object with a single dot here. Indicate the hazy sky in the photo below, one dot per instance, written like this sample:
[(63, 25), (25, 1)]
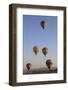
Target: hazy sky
[(34, 35)]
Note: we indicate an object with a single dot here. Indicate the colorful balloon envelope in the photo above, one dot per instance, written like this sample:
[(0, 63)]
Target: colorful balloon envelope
[(28, 66), (45, 51), (49, 63), (43, 24), (36, 50)]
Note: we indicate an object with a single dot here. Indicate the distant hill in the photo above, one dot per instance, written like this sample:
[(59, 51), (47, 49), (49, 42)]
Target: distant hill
[(40, 71)]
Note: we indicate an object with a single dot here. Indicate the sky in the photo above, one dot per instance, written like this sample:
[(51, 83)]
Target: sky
[(35, 35)]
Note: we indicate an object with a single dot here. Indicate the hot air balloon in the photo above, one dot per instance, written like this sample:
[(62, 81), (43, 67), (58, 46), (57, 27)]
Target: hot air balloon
[(45, 51), (36, 50), (49, 63), (28, 66), (43, 24)]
